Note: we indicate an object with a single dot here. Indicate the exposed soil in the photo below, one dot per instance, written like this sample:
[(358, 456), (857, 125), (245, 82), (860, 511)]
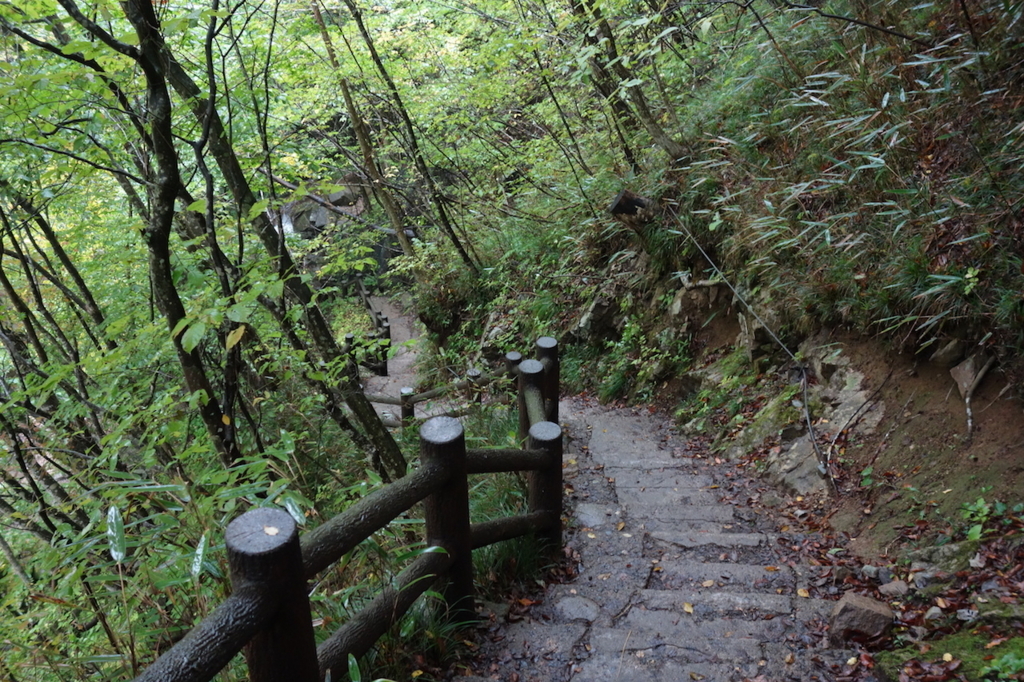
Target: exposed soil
[(924, 465)]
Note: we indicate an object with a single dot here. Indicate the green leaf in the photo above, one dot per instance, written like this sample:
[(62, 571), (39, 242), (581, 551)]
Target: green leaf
[(193, 336), (199, 206), (257, 208), (354, 674), (974, 533), (115, 534), (197, 558)]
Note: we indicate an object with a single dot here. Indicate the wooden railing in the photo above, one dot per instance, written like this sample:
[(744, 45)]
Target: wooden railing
[(268, 613), (541, 374), (377, 343)]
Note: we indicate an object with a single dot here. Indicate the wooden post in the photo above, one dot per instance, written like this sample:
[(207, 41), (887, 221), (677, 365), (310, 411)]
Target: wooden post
[(476, 391), (263, 549), (408, 406), (446, 512), (545, 485), (384, 334), (531, 374), (547, 353), (512, 360)]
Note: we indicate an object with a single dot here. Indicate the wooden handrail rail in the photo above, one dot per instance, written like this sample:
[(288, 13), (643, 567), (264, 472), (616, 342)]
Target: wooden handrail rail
[(366, 627), (338, 536), (268, 613), (209, 646)]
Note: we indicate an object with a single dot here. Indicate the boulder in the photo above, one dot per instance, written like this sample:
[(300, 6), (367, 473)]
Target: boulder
[(599, 320), (967, 371), (857, 615), (796, 468), (948, 354), (897, 588)]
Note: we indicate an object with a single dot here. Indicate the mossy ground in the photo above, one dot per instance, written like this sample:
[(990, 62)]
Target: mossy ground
[(968, 647)]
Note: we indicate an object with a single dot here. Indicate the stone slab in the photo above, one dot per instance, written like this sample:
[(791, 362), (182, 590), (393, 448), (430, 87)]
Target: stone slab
[(658, 478), (681, 574), (684, 638), (666, 517), (696, 538), (714, 601), (676, 497), (652, 667), (597, 515)]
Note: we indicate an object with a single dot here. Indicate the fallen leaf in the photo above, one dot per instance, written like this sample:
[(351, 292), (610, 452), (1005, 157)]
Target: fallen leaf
[(771, 568), (620, 525), (708, 583), (688, 607), (802, 592)]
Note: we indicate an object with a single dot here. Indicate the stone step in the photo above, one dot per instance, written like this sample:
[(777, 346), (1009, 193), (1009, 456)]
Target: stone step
[(676, 497), (668, 517), (700, 538), (685, 637), (658, 479), (673, 574), (650, 666), (710, 602)]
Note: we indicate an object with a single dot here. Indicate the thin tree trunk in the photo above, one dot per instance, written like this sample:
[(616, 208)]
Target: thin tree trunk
[(383, 443), (635, 93), (380, 190), (410, 131)]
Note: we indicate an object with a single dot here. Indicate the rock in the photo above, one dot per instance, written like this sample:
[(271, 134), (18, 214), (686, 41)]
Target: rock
[(824, 357), (917, 633), (840, 574), (965, 373), (926, 574), (754, 336), (897, 588), (497, 611), (869, 571), (948, 354), (934, 613), (950, 558), (856, 614), (693, 427), (793, 431), (884, 575), (796, 468), (599, 321), (578, 608)]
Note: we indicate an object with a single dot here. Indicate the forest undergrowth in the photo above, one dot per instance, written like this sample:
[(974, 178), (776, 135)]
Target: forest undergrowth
[(186, 191)]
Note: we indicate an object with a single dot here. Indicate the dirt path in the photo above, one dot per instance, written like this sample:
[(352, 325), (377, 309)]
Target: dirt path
[(673, 580)]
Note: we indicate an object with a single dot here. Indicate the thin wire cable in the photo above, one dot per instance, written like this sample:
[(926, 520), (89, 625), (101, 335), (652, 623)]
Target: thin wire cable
[(824, 467)]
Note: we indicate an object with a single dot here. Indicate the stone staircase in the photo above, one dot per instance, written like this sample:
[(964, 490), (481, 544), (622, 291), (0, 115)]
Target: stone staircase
[(672, 584)]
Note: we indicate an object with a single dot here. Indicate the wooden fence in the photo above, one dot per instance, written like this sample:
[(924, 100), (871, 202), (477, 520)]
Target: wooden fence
[(268, 614)]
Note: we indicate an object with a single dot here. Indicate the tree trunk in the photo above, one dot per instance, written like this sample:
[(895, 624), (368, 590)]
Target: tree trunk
[(383, 443)]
